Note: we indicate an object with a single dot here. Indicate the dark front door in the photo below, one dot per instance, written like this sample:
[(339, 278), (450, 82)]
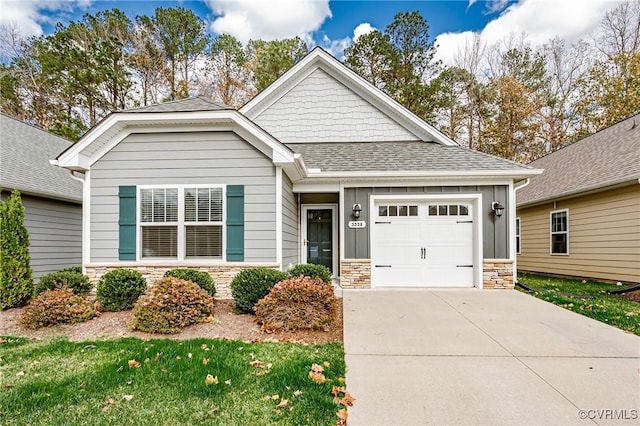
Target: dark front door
[(320, 237)]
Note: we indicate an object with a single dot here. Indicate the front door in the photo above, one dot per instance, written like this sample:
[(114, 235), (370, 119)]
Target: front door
[(319, 236)]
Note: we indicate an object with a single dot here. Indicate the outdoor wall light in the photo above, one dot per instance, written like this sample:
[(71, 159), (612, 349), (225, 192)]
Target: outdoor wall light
[(357, 208), (497, 208)]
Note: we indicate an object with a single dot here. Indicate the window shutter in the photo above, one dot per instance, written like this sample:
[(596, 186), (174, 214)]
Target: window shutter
[(235, 223), (127, 222)]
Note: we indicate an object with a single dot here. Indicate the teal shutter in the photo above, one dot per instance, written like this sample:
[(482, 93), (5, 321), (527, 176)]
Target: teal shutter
[(235, 223), (127, 222)]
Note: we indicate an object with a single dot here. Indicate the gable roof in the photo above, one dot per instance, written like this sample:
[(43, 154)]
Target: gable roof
[(403, 157), (25, 152), (199, 103), (606, 158), (318, 58)]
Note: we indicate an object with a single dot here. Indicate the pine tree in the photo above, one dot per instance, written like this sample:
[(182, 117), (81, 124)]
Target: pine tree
[(16, 276)]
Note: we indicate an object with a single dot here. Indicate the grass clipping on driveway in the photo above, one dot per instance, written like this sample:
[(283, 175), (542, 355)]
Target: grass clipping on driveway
[(610, 309), (200, 381)]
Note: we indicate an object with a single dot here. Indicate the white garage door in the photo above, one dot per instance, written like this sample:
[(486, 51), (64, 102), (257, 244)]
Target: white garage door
[(422, 244)]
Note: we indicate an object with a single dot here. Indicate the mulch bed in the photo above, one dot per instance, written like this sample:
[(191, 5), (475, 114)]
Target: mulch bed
[(634, 295), (227, 325)]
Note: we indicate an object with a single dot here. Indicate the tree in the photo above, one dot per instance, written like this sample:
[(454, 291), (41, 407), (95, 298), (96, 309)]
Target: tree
[(16, 276), (373, 57), (271, 59), (452, 102), (231, 81), (147, 61)]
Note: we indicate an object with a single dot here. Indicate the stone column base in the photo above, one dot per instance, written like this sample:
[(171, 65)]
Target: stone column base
[(355, 273), (497, 274)]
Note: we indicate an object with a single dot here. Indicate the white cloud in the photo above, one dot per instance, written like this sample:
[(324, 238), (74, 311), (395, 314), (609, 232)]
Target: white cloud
[(27, 16), (541, 20), (362, 29), (268, 20)]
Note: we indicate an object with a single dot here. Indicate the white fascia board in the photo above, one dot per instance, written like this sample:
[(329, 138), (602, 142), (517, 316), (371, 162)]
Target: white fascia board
[(450, 174), (218, 120), (319, 58)]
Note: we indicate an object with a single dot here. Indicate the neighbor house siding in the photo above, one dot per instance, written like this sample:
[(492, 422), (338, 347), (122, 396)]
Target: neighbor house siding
[(55, 233), (184, 158), (310, 113), (289, 223), (604, 236), (495, 230)]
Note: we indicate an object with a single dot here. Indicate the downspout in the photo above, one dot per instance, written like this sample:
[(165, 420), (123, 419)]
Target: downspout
[(515, 258), (84, 228)]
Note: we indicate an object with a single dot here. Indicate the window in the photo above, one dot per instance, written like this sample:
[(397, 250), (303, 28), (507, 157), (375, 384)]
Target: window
[(404, 210), (182, 222), (517, 235), (448, 210), (560, 232)]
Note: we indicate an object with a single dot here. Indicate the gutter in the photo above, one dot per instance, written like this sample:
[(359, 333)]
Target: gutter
[(515, 258)]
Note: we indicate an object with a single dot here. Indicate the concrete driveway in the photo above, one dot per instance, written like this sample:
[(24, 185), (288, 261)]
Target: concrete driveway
[(482, 357)]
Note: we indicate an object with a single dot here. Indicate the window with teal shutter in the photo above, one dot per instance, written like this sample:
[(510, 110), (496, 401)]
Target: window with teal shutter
[(235, 223), (127, 223)]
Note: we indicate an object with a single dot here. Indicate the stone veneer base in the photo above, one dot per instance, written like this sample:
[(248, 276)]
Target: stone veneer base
[(355, 273), (221, 274)]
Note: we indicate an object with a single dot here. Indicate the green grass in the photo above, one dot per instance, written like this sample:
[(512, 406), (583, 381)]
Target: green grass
[(608, 308), (58, 382)]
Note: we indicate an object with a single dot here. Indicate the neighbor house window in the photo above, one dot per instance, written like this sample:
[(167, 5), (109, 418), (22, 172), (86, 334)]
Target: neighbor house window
[(560, 232), (517, 235), (182, 222)]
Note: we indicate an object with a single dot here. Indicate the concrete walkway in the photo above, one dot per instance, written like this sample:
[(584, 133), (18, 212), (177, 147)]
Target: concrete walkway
[(474, 357)]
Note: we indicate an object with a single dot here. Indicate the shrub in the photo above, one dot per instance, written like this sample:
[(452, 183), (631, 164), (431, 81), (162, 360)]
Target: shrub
[(251, 285), (170, 305), (77, 269), (312, 271), (79, 283), (57, 307), (201, 278), (16, 276), (118, 290), (298, 303)]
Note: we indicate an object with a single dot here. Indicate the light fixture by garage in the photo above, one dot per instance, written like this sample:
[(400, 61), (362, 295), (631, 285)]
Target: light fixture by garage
[(497, 208), (357, 208)]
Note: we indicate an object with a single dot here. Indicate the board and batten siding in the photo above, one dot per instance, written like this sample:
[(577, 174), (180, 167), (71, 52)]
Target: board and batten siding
[(183, 159), (289, 224), (55, 233), (336, 114), (604, 237), (495, 233)]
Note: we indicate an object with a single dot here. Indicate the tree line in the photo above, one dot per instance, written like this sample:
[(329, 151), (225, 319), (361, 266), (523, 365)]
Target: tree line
[(511, 99)]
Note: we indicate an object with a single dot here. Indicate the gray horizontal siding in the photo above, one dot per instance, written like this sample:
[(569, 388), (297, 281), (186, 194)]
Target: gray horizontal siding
[(55, 234), (289, 223), (495, 232), (184, 159)]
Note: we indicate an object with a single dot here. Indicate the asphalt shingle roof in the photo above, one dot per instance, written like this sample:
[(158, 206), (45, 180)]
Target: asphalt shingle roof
[(605, 158), (199, 103), (25, 152), (397, 156)]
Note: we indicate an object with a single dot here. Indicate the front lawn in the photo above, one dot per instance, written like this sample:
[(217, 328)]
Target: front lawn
[(608, 308), (162, 382)]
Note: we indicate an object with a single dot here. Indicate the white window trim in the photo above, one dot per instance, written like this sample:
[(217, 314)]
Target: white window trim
[(518, 233), (181, 224), (551, 213)]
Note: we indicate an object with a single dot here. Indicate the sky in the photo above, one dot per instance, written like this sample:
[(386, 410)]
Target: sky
[(335, 24)]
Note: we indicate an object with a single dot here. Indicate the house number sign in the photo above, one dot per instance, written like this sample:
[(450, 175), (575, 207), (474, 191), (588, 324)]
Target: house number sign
[(357, 224)]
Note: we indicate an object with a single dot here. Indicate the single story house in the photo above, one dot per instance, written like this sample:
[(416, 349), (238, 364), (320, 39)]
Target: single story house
[(320, 167), (52, 199), (581, 218)]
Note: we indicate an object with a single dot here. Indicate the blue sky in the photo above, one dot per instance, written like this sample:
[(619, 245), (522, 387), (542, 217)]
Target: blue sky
[(334, 24)]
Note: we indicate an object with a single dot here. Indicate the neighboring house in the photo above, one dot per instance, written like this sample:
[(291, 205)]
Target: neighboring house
[(320, 167), (581, 218), (52, 199)]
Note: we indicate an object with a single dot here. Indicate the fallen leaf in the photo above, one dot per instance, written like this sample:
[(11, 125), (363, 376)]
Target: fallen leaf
[(127, 397), (147, 360), (211, 380), (316, 368), (297, 393), (105, 408), (335, 390), (20, 373), (257, 364), (206, 361), (243, 392), (90, 347), (342, 415), (204, 347), (178, 357), (109, 401), (347, 399), (278, 411), (190, 355), (157, 357), (274, 397), (341, 380), (164, 371), (266, 398), (228, 382), (317, 377), (283, 403), (83, 385), (326, 364), (631, 314), (7, 386), (134, 364)]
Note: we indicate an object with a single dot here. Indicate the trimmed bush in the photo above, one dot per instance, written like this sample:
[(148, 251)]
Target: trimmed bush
[(77, 269), (79, 283), (170, 305), (58, 306), (16, 275), (296, 304), (251, 285), (118, 290), (203, 279), (312, 271)]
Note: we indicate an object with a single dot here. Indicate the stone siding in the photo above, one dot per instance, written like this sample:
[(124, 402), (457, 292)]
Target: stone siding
[(355, 273), (498, 274), (221, 274)]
